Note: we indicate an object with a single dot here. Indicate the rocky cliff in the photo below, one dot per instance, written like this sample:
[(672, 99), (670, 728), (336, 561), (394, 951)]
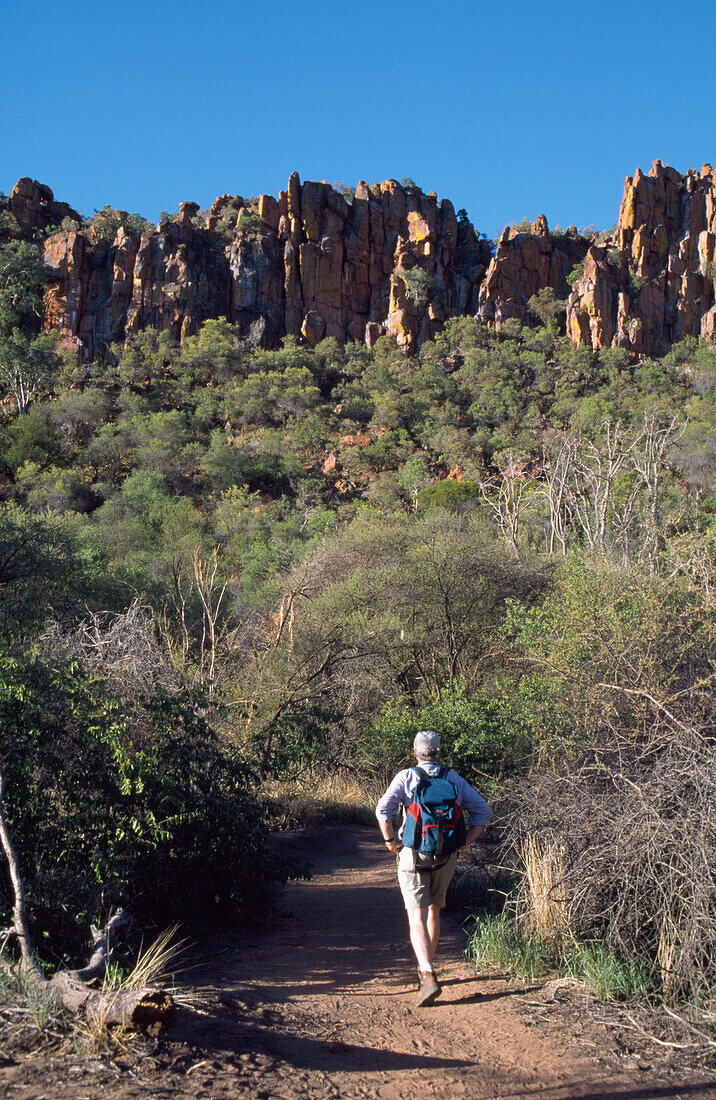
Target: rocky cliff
[(310, 263), (318, 262), (653, 284), (31, 209), (524, 264)]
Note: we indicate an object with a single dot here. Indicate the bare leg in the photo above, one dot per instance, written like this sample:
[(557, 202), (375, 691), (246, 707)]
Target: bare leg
[(420, 937), (433, 927)]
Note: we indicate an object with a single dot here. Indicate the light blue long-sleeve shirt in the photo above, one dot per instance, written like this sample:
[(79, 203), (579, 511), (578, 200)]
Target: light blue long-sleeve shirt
[(400, 793)]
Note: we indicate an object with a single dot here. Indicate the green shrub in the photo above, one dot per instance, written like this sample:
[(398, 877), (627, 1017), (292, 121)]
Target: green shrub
[(456, 496), (107, 221), (109, 804), (636, 284), (419, 285), (249, 221), (576, 273), (477, 735)]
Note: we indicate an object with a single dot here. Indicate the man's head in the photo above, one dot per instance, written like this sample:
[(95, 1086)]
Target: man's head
[(426, 745)]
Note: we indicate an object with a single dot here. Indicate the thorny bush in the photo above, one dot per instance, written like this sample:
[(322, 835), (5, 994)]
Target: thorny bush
[(626, 815)]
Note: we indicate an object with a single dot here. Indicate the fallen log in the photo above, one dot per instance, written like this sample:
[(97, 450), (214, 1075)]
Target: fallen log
[(136, 1009), (139, 1009)]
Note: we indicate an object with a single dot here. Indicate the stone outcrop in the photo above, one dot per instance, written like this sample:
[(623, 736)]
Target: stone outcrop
[(31, 209), (656, 284), (309, 264), (313, 263), (524, 264)]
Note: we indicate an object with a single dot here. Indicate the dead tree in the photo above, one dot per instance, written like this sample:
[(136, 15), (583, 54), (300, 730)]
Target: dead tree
[(507, 505), (556, 469), (211, 596), (596, 469), (134, 1008), (649, 461), (578, 483)]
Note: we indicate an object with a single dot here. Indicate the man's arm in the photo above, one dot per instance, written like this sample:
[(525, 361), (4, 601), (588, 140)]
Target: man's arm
[(386, 828), (386, 809), (473, 833)]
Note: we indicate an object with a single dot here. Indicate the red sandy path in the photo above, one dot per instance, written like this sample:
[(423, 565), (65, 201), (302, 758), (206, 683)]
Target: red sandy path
[(320, 1003)]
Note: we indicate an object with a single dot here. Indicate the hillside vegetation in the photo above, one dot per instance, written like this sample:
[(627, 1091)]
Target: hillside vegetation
[(222, 565)]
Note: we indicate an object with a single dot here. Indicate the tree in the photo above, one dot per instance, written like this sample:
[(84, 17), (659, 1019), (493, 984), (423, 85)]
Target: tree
[(418, 285), (22, 278), (26, 365), (413, 476), (650, 461), (547, 308)]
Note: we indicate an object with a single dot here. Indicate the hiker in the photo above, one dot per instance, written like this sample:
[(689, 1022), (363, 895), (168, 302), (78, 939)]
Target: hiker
[(426, 865)]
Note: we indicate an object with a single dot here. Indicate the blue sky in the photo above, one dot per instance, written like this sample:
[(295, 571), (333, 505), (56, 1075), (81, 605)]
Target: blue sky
[(508, 108)]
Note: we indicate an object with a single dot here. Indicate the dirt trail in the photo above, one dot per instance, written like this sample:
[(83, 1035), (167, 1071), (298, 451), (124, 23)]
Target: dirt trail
[(321, 1004)]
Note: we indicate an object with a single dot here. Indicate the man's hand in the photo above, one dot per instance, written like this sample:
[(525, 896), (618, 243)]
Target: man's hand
[(393, 846)]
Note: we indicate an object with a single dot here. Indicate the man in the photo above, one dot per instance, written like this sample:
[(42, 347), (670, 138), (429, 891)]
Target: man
[(424, 890)]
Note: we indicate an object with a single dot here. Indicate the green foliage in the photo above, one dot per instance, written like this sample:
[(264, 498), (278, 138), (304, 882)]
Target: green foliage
[(524, 225), (419, 285), (576, 273), (114, 803), (104, 223), (478, 736), (636, 284), (31, 438), (26, 365), (249, 221), (348, 193), (547, 308), (455, 496), (22, 278), (501, 942), (50, 567)]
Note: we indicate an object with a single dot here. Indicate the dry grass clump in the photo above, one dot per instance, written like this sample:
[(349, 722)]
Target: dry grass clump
[(154, 963), (543, 888), (312, 800)]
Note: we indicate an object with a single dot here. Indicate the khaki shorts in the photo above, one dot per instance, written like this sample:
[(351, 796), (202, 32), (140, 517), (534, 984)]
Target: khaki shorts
[(423, 888)]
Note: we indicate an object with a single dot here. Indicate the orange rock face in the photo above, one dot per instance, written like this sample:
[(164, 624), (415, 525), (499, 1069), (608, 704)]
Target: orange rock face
[(524, 264), (656, 285), (308, 264), (392, 261)]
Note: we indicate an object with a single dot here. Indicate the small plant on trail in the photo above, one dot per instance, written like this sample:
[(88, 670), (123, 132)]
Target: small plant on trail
[(37, 1006)]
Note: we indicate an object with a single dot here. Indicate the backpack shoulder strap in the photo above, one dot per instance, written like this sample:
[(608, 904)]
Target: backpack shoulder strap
[(421, 773)]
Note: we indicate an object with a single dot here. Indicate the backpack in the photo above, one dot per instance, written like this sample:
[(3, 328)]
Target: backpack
[(434, 826)]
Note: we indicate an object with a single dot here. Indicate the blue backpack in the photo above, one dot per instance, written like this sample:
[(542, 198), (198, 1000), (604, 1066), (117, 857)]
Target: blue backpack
[(434, 825)]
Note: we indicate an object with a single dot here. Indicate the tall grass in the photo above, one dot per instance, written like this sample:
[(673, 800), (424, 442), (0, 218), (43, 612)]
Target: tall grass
[(498, 941), (38, 1005), (503, 942), (302, 803)]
